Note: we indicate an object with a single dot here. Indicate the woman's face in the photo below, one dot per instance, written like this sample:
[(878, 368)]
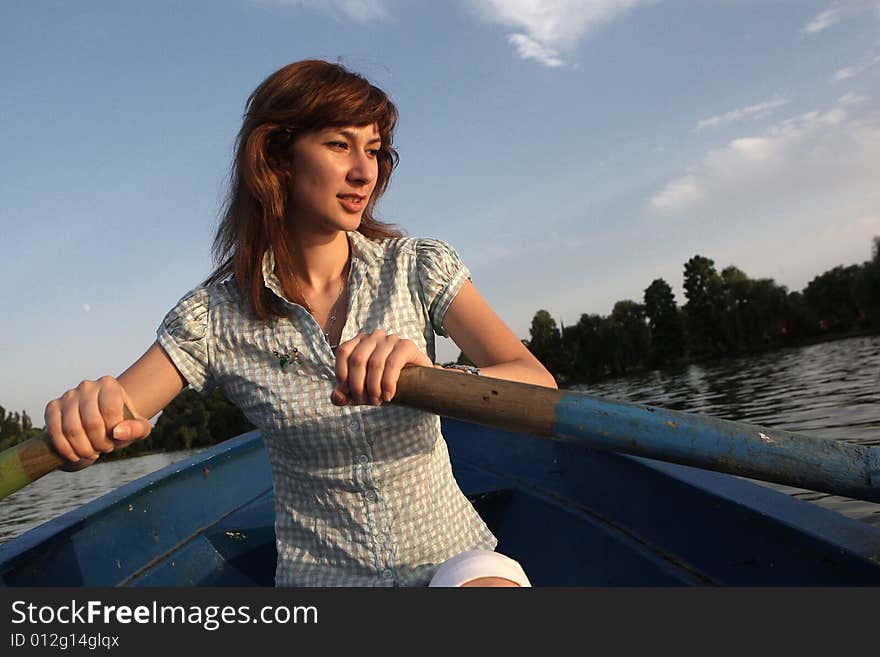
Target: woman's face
[(333, 175)]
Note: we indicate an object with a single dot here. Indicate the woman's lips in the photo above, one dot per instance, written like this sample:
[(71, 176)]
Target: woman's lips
[(352, 203)]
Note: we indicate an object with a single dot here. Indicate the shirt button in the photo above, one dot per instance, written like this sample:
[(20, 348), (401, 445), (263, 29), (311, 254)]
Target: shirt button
[(387, 574), (363, 458), (353, 425), (371, 496)]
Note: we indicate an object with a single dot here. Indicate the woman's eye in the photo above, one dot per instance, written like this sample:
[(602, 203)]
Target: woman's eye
[(374, 152), (338, 144)]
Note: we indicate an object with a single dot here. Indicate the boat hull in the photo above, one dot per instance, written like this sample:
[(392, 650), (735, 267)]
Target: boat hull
[(573, 516)]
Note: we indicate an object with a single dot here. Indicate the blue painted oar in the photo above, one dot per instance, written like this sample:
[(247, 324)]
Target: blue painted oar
[(736, 448)]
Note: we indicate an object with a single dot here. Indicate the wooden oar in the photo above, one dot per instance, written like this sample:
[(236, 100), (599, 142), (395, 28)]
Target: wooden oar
[(736, 448), (26, 462)]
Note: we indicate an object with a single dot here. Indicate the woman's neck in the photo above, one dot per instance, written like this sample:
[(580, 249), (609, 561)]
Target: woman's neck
[(319, 260)]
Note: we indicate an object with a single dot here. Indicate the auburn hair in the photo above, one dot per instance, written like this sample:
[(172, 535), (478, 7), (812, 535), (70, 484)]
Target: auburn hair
[(299, 98)]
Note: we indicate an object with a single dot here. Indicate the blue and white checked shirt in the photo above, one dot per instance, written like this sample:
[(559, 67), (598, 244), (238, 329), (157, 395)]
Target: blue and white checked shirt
[(364, 495)]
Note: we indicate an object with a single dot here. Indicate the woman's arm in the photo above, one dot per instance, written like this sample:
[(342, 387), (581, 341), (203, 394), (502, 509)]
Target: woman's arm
[(368, 365), (152, 381), (80, 422), (489, 342)]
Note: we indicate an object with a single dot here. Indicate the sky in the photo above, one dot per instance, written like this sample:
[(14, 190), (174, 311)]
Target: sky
[(572, 151)]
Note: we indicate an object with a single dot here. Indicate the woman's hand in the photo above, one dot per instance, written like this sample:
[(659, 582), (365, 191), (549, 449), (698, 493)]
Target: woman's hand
[(88, 421), (368, 366)]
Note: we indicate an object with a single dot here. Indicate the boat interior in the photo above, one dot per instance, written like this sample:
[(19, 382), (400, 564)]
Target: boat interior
[(572, 516)]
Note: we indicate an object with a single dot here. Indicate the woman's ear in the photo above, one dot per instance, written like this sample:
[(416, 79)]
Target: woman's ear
[(280, 167), (279, 155)]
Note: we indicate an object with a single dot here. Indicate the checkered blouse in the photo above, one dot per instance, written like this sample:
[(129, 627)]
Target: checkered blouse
[(364, 495)]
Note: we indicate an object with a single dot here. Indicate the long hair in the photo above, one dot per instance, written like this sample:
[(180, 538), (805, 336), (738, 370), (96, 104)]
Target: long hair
[(299, 98)]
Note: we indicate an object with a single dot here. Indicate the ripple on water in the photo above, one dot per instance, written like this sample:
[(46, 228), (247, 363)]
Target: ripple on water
[(59, 492), (829, 390)]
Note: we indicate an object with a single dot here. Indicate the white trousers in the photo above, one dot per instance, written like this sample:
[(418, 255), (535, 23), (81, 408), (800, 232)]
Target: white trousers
[(466, 566)]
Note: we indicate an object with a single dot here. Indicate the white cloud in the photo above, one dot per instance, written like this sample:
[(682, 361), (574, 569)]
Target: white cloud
[(754, 111), (852, 99), (823, 21), (844, 74), (789, 202), (837, 12), (857, 69), (682, 192), (362, 11), (87, 307), (545, 29), (528, 48), (816, 153)]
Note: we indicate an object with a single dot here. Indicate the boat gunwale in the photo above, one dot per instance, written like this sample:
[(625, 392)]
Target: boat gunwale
[(60, 527)]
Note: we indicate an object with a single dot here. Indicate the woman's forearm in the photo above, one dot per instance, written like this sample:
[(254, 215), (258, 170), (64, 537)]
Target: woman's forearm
[(522, 370)]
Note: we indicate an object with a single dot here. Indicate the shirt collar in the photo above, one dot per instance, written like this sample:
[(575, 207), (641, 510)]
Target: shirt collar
[(362, 248)]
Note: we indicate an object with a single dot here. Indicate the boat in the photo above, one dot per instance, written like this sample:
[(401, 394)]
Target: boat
[(571, 514)]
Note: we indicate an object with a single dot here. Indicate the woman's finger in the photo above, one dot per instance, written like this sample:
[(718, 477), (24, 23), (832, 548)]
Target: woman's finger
[(110, 402), (405, 353), (52, 417), (72, 428), (357, 368), (376, 368), (92, 419), (125, 431), (343, 352)]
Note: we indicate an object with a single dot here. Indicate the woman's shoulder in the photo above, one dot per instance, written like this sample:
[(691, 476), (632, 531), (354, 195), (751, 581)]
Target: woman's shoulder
[(433, 253), (209, 295), (393, 248)]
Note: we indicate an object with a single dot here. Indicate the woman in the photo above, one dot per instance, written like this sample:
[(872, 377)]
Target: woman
[(312, 312)]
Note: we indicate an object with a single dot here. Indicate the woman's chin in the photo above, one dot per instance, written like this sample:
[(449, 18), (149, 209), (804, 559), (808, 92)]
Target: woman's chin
[(330, 224)]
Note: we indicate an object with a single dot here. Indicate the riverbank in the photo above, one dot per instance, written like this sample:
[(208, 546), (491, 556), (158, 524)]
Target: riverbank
[(684, 363)]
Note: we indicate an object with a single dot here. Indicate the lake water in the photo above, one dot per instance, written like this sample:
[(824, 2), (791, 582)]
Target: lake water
[(59, 492), (829, 390)]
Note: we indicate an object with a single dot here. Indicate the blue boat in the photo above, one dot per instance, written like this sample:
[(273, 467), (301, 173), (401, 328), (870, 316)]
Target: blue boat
[(573, 515)]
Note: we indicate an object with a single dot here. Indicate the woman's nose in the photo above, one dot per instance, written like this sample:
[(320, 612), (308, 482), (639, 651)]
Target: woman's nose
[(362, 168)]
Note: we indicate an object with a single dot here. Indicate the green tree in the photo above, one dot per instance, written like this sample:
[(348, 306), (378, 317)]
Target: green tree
[(704, 307), (15, 428), (611, 343), (830, 295), (736, 288), (584, 343), (866, 289), (633, 334), (766, 314), (799, 320), (546, 341), (664, 323)]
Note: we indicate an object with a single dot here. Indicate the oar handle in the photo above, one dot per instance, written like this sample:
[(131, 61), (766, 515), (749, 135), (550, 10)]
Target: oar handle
[(702, 441), (27, 461), (509, 405)]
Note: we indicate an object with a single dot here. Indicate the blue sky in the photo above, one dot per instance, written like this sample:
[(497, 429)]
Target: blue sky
[(571, 150)]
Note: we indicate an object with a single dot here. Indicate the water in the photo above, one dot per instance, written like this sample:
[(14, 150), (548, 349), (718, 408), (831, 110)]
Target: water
[(829, 390), (59, 492)]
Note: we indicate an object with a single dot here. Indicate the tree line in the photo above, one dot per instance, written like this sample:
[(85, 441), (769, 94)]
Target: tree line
[(725, 314)]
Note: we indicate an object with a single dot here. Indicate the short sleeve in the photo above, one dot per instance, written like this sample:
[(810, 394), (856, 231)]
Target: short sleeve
[(183, 334), (441, 274)]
